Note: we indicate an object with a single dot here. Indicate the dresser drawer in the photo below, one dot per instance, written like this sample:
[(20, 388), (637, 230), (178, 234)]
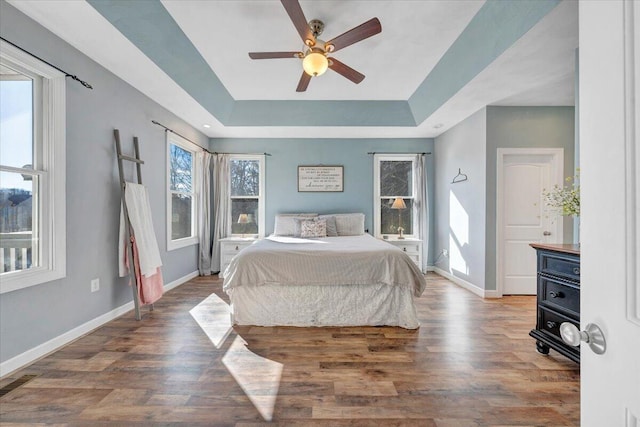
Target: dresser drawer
[(408, 247), (549, 322), (232, 248), (560, 296), (559, 265)]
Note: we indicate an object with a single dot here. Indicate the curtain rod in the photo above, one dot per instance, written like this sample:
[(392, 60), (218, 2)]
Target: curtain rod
[(82, 82), (183, 137), (387, 152)]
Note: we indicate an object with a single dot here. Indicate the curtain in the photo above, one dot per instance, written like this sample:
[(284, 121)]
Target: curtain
[(422, 207), (222, 211), (203, 210)]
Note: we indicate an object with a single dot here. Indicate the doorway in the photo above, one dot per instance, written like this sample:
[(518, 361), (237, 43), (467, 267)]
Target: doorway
[(522, 176)]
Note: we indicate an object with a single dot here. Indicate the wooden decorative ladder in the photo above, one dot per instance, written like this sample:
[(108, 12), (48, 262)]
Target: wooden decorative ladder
[(129, 230)]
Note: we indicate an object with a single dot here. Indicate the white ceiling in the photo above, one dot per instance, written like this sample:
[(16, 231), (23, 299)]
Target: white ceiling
[(395, 61), (537, 70)]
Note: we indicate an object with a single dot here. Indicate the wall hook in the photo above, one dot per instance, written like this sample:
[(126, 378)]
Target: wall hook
[(460, 177)]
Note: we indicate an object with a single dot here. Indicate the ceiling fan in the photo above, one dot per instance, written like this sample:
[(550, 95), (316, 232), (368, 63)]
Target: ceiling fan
[(315, 59)]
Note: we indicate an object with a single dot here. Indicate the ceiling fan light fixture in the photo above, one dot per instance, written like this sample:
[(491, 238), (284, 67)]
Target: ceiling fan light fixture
[(315, 63)]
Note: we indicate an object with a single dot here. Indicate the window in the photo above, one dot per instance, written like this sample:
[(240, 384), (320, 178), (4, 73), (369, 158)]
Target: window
[(395, 179), (181, 197), (32, 171), (247, 195)]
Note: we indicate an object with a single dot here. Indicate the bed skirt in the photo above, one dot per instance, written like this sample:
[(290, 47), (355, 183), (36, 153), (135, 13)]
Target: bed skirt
[(323, 305)]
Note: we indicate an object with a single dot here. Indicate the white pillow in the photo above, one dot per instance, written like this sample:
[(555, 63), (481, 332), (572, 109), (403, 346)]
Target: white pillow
[(285, 224), (350, 224)]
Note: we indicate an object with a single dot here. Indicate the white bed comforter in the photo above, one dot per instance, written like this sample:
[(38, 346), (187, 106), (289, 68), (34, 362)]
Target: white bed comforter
[(346, 260)]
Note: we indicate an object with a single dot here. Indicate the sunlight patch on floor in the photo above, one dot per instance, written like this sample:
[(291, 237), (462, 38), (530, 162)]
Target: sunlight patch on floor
[(213, 316), (258, 377)]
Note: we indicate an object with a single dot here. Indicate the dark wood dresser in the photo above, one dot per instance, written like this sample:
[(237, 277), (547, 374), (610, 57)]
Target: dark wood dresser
[(558, 296)]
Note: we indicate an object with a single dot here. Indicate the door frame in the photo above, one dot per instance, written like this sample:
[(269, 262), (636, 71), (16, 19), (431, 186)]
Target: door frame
[(557, 170)]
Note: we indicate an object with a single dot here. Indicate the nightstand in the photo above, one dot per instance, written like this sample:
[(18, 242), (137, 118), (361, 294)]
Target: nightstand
[(412, 247), (230, 247)]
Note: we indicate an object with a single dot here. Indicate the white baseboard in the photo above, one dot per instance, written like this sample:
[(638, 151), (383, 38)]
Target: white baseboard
[(181, 280), (467, 285), (430, 268), (492, 293), (20, 361)]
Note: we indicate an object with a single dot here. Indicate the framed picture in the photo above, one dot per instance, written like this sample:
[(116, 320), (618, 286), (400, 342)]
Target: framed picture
[(320, 178)]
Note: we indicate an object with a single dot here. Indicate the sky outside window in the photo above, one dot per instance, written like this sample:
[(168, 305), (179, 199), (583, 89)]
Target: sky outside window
[(16, 129)]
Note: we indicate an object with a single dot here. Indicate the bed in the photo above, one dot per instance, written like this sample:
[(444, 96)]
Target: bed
[(345, 279)]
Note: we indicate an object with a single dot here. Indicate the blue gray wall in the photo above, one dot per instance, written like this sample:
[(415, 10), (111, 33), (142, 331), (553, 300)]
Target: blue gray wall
[(461, 207), (32, 316), (465, 220), (286, 154), (519, 127), (466, 213)]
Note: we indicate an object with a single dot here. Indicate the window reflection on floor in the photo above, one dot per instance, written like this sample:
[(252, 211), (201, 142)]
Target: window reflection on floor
[(258, 377), (213, 316)]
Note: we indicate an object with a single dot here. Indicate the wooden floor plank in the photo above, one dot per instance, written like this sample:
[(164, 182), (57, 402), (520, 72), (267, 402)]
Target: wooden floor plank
[(471, 363)]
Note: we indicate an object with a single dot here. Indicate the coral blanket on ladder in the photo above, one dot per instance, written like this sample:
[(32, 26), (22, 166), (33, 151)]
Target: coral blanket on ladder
[(150, 288)]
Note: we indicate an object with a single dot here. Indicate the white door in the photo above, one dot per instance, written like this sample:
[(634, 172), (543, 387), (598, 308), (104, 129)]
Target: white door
[(523, 174), (610, 223)]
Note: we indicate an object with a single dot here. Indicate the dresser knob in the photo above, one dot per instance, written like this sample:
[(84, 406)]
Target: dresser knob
[(236, 247), (576, 271), (551, 325), (554, 294), (404, 249)]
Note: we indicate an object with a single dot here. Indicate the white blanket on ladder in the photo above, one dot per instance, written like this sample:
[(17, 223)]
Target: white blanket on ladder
[(139, 209)]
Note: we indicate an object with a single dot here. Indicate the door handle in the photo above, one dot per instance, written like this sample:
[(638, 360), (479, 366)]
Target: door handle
[(592, 335), (546, 233)]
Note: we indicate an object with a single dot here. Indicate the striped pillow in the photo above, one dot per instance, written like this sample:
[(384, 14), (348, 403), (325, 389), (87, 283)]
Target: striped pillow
[(350, 224)]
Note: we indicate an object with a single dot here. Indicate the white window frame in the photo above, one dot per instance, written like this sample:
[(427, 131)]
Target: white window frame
[(260, 197), (377, 158), (49, 166), (173, 139)]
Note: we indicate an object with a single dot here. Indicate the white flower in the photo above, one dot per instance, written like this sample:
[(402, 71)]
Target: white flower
[(564, 200)]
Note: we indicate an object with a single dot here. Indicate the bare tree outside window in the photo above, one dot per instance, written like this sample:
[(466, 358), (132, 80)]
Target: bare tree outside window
[(245, 193), (180, 170), (181, 188), (396, 181)]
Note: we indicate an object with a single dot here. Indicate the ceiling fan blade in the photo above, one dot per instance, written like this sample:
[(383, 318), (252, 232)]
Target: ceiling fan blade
[(304, 82), (345, 70), (297, 17), (274, 55), (354, 35)]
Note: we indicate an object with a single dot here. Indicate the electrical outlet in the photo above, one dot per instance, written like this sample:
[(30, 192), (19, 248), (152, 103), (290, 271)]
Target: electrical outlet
[(445, 252), (95, 285)]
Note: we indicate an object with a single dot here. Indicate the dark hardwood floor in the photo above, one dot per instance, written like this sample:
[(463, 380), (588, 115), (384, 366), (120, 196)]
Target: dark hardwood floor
[(471, 363)]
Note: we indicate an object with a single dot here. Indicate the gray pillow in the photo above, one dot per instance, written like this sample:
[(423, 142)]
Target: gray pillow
[(332, 230), (350, 224)]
